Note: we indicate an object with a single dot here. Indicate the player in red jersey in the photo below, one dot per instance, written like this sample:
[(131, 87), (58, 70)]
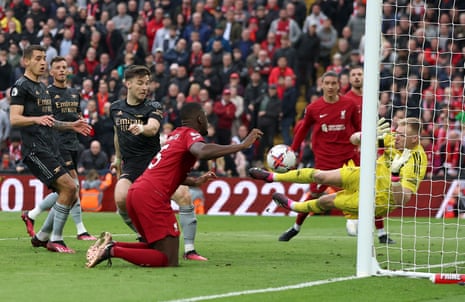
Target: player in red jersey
[(148, 200), (356, 94), (333, 119)]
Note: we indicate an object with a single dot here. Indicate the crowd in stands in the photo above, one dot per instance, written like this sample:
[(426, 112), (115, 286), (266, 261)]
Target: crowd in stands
[(247, 61)]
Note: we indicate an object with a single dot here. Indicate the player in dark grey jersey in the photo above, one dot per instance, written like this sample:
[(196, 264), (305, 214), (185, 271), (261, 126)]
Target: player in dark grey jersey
[(137, 139), (65, 106), (31, 111)]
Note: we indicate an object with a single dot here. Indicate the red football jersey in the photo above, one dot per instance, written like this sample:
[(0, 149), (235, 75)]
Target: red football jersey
[(332, 125), (357, 98), (169, 168)]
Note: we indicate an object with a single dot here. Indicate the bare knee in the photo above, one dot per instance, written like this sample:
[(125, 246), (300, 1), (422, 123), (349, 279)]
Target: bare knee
[(326, 202), (182, 196), (121, 191), (67, 190)]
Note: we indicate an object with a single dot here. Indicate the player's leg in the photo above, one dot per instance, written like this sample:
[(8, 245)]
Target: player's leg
[(121, 190), (188, 222), (76, 211), (29, 217), (316, 190), (305, 175), (67, 190), (138, 253), (48, 168), (157, 223)]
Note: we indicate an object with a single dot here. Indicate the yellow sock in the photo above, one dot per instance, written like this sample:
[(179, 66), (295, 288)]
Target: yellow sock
[(302, 176), (307, 206)]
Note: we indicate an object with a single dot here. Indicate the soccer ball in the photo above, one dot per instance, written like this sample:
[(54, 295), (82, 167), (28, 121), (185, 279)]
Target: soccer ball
[(281, 158)]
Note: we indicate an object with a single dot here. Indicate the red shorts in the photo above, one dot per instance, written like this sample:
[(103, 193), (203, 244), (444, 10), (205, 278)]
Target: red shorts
[(317, 189), (153, 219)]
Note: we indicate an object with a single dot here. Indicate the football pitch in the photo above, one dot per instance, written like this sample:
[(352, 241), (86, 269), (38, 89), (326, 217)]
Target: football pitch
[(247, 263)]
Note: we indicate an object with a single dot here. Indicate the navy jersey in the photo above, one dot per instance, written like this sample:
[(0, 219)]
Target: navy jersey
[(136, 146), (35, 99), (66, 108)]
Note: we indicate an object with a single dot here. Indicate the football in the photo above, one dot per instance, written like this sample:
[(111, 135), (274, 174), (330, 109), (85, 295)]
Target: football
[(281, 158)]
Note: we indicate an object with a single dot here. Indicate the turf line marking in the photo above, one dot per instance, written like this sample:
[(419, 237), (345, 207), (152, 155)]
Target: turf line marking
[(267, 290)]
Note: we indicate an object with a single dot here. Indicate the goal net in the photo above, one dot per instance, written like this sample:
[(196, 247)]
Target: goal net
[(422, 50)]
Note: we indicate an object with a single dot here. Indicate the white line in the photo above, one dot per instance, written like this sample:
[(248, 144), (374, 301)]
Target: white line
[(266, 290)]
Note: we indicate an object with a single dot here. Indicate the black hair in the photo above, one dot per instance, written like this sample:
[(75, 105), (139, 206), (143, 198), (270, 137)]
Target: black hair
[(189, 111)]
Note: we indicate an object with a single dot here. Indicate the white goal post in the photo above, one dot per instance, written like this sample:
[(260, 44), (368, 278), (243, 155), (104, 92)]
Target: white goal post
[(427, 246)]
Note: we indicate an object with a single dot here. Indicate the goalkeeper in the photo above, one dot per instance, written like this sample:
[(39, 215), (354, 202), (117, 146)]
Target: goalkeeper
[(399, 172)]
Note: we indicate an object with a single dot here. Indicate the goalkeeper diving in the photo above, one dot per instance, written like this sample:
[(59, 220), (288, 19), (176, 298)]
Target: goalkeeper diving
[(399, 172)]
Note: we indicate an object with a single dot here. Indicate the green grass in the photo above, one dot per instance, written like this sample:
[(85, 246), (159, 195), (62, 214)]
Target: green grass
[(244, 255)]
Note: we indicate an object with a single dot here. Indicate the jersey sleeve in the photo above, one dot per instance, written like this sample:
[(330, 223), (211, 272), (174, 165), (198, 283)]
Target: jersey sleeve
[(413, 172), (192, 137), (156, 111), (17, 96)]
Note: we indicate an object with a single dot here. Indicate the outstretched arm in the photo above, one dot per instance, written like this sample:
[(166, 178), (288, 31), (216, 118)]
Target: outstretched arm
[(210, 151)]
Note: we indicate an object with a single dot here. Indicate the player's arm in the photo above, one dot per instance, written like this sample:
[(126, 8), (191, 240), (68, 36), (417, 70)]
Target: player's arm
[(401, 188), (382, 129), (116, 164), (149, 129), (197, 181), (17, 119), (210, 151), (80, 126)]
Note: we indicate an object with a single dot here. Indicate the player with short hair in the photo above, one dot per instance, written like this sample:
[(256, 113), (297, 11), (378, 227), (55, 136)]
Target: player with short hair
[(399, 172), (137, 139), (31, 111), (148, 200), (333, 119), (66, 107)]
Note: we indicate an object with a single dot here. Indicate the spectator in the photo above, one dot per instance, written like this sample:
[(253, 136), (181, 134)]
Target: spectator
[(307, 54), (104, 131), (452, 158), (232, 28), (102, 96), (92, 190), (255, 88), (225, 110), (109, 6), (285, 26), (287, 51), (263, 63), (114, 40), (166, 36), (316, 17), (328, 38), (103, 69), (194, 91), (211, 115), (288, 109), (238, 102), (182, 79), (207, 77), (93, 158), (199, 26), (269, 111), (281, 70), (122, 20), (6, 71), (178, 55), (218, 35)]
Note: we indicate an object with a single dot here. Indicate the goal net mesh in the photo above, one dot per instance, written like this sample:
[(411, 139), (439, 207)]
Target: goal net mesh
[(422, 75)]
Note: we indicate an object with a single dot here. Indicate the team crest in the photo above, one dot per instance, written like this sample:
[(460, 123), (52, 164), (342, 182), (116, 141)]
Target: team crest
[(57, 96), (343, 115), (37, 92), (119, 113)]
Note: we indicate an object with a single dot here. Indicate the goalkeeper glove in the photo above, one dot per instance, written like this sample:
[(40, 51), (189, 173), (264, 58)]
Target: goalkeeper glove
[(397, 163), (381, 131)]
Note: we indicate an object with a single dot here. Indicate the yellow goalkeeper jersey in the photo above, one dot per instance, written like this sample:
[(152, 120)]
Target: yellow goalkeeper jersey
[(412, 173)]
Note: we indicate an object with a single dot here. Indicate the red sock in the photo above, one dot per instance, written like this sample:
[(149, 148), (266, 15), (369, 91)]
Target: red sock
[(301, 218), (132, 245), (379, 222), (143, 257)]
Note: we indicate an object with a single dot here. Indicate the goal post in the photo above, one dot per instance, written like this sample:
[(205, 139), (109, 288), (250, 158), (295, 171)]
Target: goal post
[(365, 264), (428, 245)]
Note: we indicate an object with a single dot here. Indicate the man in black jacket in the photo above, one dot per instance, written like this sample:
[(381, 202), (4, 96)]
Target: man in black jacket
[(308, 50)]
